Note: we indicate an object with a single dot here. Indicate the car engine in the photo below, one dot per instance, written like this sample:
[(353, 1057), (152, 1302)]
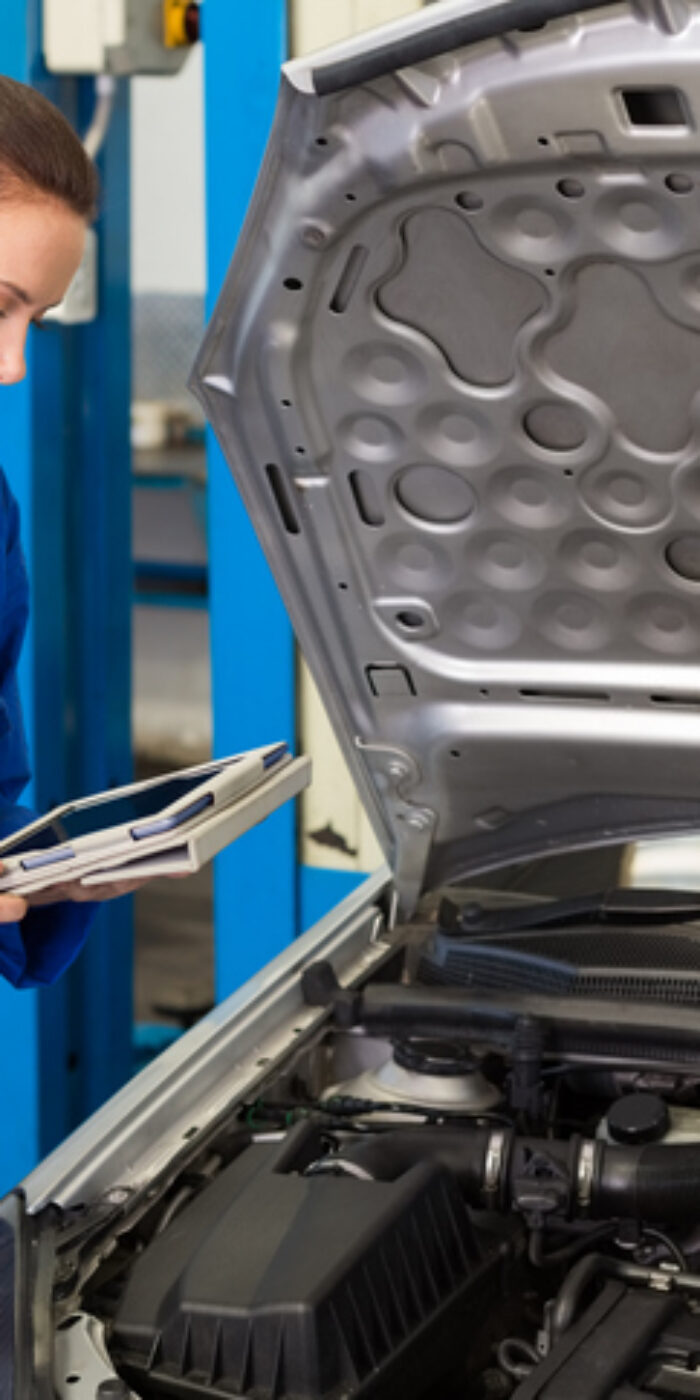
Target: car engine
[(481, 1178)]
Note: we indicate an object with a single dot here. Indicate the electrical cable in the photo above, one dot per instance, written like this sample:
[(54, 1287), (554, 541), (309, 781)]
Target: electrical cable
[(506, 1353), (567, 1254), (676, 1253), (179, 1200), (347, 1107), (105, 93)]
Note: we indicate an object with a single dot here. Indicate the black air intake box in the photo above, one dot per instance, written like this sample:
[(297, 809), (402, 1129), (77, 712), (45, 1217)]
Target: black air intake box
[(274, 1284)]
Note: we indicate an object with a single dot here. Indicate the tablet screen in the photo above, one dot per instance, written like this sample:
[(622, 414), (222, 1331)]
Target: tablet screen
[(109, 811)]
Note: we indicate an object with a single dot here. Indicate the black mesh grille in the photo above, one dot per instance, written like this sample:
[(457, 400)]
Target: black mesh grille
[(621, 964), (675, 949), (677, 991), (640, 1051)]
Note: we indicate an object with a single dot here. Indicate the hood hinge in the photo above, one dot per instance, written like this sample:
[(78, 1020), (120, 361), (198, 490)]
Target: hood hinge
[(413, 826)]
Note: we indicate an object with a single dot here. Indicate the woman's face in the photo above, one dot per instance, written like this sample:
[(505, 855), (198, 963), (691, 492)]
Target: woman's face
[(41, 244)]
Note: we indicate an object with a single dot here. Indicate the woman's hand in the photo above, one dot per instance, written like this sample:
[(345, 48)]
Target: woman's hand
[(79, 894), (12, 908)]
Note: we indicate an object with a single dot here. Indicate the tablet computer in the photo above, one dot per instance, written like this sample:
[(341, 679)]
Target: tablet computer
[(177, 820)]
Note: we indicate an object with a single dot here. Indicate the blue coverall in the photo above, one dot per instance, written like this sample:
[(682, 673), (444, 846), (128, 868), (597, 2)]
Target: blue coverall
[(37, 950)]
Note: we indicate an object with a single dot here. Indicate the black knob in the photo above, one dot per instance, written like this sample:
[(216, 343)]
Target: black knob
[(638, 1118), (443, 1058), (193, 23), (319, 984)]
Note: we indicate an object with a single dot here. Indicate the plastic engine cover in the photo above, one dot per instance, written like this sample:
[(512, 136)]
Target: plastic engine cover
[(276, 1284)]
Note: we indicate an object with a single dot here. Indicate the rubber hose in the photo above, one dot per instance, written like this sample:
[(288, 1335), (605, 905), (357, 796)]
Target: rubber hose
[(655, 1182), (461, 1151)]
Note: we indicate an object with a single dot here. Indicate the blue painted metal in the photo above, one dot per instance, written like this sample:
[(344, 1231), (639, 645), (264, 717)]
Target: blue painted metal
[(321, 889), (173, 481), (151, 1038), (169, 570), (154, 599), (66, 452), (98, 584), (251, 638), (19, 1013)]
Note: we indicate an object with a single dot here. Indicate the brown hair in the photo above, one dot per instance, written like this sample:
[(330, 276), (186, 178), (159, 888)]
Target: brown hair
[(40, 151)]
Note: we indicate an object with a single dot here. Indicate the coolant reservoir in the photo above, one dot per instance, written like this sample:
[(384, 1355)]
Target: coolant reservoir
[(636, 1119)]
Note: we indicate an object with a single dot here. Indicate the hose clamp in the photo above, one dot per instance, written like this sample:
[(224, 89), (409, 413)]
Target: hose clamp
[(493, 1162), (585, 1173)]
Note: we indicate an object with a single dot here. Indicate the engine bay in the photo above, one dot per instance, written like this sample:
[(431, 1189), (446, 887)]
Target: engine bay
[(480, 1177)]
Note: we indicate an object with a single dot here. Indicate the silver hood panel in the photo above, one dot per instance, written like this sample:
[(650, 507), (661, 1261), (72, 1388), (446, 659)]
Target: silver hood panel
[(455, 369)]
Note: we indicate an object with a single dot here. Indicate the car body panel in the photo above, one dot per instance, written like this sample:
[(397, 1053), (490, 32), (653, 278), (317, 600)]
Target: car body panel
[(454, 368)]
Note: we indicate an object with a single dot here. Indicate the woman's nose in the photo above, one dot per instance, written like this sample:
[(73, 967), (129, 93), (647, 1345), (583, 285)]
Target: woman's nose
[(12, 362)]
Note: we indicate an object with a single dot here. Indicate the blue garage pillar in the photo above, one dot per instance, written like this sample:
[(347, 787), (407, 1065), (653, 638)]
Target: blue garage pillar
[(65, 449), (251, 639)]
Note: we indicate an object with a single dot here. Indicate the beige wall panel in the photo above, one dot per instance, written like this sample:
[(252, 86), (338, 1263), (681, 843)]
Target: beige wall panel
[(317, 23), (369, 13), (336, 833)]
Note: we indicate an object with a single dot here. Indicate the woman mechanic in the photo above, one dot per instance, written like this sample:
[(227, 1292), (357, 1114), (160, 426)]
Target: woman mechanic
[(48, 195)]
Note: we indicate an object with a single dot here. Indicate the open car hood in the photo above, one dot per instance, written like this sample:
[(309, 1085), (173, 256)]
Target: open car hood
[(455, 369)]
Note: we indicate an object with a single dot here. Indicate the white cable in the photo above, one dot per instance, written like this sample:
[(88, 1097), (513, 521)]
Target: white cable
[(105, 92)]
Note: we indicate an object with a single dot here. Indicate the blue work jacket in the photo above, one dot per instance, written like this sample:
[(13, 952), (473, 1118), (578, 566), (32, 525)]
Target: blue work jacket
[(37, 950)]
